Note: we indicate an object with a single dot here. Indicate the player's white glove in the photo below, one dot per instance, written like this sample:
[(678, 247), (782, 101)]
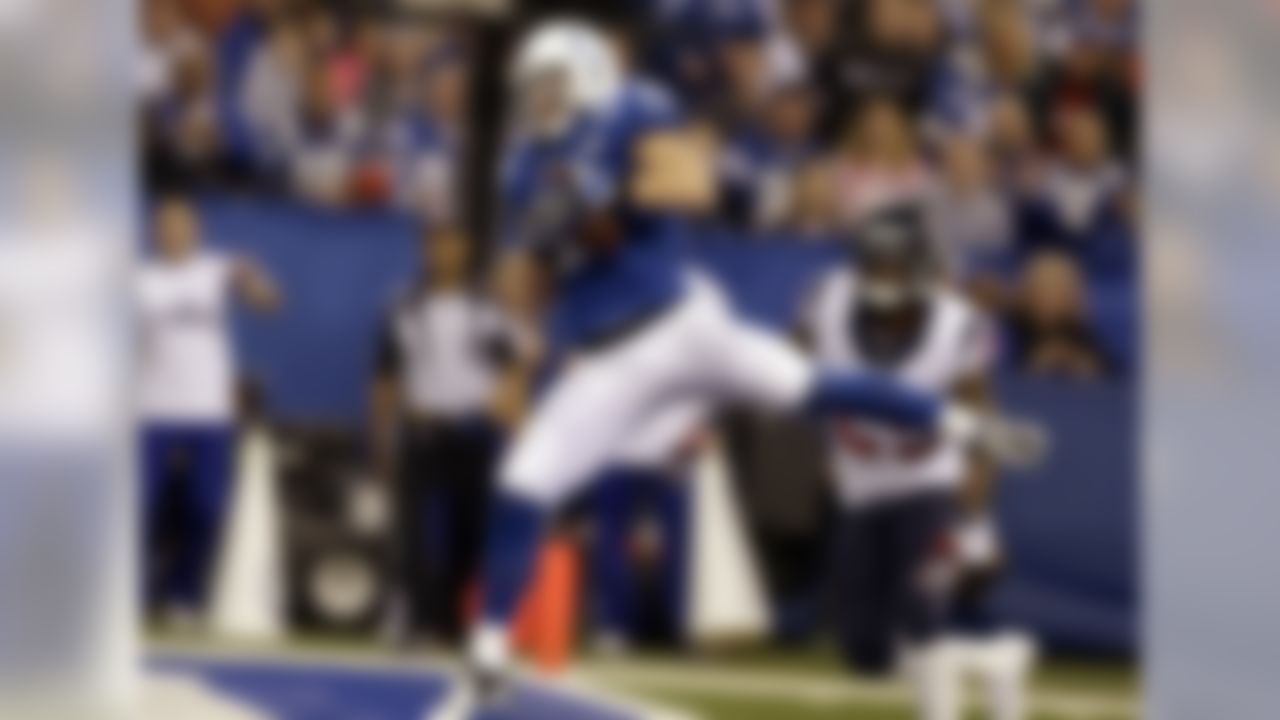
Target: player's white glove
[(1012, 442)]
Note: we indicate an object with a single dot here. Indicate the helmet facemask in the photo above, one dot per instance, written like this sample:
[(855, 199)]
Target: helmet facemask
[(894, 262)]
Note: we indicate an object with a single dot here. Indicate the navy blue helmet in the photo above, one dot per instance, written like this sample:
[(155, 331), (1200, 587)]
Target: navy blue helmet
[(894, 257)]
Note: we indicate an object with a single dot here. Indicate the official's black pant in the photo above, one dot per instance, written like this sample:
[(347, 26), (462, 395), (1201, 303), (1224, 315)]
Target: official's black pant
[(442, 497), (885, 591)]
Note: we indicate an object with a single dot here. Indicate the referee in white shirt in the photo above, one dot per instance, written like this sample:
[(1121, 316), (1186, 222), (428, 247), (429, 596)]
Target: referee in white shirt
[(187, 381), (440, 352)]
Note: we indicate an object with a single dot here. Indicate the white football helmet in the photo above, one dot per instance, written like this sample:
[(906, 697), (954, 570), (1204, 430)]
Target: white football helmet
[(561, 69)]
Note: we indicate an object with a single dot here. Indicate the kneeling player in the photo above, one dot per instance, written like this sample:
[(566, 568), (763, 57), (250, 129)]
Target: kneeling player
[(904, 494)]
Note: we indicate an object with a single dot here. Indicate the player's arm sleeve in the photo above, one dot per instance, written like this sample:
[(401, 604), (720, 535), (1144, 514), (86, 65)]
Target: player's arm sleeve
[(804, 327), (973, 389), (978, 349)]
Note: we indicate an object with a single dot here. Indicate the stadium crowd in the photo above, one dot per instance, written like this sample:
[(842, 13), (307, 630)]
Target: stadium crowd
[(1014, 120), (300, 99)]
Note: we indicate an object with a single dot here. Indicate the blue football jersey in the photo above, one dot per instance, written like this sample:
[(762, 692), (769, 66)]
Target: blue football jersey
[(550, 184)]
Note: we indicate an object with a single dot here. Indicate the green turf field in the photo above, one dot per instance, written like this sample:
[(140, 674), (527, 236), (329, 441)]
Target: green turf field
[(762, 684), (769, 685), (722, 708)]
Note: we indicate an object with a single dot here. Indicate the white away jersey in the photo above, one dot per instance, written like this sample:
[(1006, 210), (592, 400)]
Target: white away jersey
[(187, 371), (872, 462)]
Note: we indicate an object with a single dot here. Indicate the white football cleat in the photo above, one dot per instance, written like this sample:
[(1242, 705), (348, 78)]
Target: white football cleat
[(460, 702), (1005, 668)]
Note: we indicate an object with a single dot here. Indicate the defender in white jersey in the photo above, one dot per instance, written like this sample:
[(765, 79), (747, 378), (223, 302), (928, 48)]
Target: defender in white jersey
[(952, 348), (913, 519), (186, 383)]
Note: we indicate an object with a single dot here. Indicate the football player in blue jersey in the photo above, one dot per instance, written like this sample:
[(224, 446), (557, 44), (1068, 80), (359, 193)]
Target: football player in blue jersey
[(599, 180)]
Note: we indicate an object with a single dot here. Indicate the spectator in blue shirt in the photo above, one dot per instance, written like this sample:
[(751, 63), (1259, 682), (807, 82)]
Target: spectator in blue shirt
[(973, 218), (323, 151), (761, 165), (1084, 185), (431, 138)]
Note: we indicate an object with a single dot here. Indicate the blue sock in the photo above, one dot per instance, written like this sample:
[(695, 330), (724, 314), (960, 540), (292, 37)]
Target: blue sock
[(875, 398), (515, 532)]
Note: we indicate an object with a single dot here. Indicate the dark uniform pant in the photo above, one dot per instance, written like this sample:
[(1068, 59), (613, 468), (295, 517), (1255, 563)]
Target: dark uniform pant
[(180, 572), (884, 588), (442, 497)]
